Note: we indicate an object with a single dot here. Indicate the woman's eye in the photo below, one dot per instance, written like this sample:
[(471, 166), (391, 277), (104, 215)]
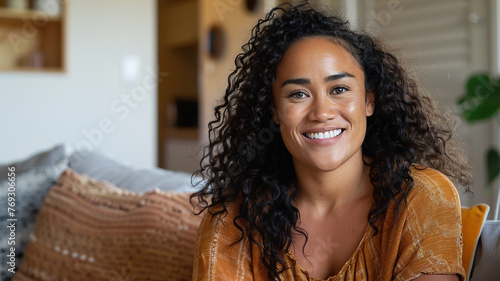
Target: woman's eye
[(339, 90), (298, 95)]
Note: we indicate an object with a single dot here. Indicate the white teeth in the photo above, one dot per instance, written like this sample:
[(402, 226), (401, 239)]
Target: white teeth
[(324, 135)]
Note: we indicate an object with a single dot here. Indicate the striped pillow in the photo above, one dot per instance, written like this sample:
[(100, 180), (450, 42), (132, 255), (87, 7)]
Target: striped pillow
[(92, 230)]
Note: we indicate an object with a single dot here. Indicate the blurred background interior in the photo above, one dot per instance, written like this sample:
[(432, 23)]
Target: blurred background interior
[(139, 79)]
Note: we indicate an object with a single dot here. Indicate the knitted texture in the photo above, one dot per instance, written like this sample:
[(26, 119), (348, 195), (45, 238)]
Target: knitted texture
[(92, 230)]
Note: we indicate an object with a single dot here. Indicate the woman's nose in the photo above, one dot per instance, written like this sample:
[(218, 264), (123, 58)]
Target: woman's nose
[(323, 109)]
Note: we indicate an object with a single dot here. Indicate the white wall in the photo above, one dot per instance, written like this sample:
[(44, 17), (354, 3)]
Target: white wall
[(40, 110)]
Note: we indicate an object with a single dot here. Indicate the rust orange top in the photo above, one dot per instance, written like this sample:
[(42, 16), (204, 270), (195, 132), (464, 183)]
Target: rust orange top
[(426, 239)]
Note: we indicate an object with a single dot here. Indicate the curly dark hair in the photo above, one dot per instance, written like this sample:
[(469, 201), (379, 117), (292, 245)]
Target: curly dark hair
[(247, 161)]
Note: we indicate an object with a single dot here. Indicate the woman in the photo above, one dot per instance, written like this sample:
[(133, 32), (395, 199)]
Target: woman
[(327, 161)]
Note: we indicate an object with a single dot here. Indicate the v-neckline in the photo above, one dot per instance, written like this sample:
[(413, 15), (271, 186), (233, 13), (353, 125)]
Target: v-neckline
[(365, 237)]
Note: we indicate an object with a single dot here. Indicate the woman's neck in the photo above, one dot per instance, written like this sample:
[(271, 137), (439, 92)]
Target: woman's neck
[(326, 191)]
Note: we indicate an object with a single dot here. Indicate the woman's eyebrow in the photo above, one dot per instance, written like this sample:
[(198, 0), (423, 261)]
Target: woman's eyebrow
[(338, 76), (299, 81), (302, 81)]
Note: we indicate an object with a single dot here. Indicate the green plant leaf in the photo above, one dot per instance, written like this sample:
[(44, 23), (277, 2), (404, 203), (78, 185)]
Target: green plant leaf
[(493, 163), (475, 81), (482, 99)]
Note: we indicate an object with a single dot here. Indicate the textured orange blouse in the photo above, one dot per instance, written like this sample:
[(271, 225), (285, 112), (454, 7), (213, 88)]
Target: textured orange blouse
[(426, 238)]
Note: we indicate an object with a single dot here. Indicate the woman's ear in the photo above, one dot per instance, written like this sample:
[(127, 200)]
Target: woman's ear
[(275, 114), (370, 103)]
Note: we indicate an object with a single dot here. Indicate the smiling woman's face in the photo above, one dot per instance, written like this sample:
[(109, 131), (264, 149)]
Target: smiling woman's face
[(320, 104)]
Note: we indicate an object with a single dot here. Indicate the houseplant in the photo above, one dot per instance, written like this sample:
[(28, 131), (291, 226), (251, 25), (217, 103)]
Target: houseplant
[(481, 102)]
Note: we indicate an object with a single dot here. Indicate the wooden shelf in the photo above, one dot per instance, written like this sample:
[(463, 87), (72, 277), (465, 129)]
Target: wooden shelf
[(7, 13), (181, 132), (39, 69), (180, 13), (32, 40), (178, 43)]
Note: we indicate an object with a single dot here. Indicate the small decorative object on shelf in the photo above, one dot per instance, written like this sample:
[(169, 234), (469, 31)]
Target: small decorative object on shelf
[(51, 7), (36, 59), (18, 4)]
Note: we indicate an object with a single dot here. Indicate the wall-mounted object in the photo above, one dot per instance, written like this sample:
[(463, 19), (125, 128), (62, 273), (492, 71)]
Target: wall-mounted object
[(252, 5), (215, 41)]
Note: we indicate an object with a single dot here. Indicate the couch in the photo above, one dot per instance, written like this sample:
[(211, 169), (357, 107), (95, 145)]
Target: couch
[(91, 217)]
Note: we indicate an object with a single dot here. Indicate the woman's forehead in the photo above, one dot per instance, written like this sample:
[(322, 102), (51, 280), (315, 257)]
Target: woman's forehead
[(317, 52)]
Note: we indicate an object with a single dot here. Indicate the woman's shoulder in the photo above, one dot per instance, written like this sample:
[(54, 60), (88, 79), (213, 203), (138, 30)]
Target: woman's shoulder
[(429, 177), (228, 207), (218, 254), (428, 227), (219, 216), (432, 186)]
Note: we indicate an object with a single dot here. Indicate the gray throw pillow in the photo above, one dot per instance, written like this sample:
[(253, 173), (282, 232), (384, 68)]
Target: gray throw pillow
[(487, 258), (30, 189), (101, 166), (46, 158)]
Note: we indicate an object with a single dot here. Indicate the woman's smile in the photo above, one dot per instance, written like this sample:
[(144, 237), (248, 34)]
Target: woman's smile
[(324, 134)]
